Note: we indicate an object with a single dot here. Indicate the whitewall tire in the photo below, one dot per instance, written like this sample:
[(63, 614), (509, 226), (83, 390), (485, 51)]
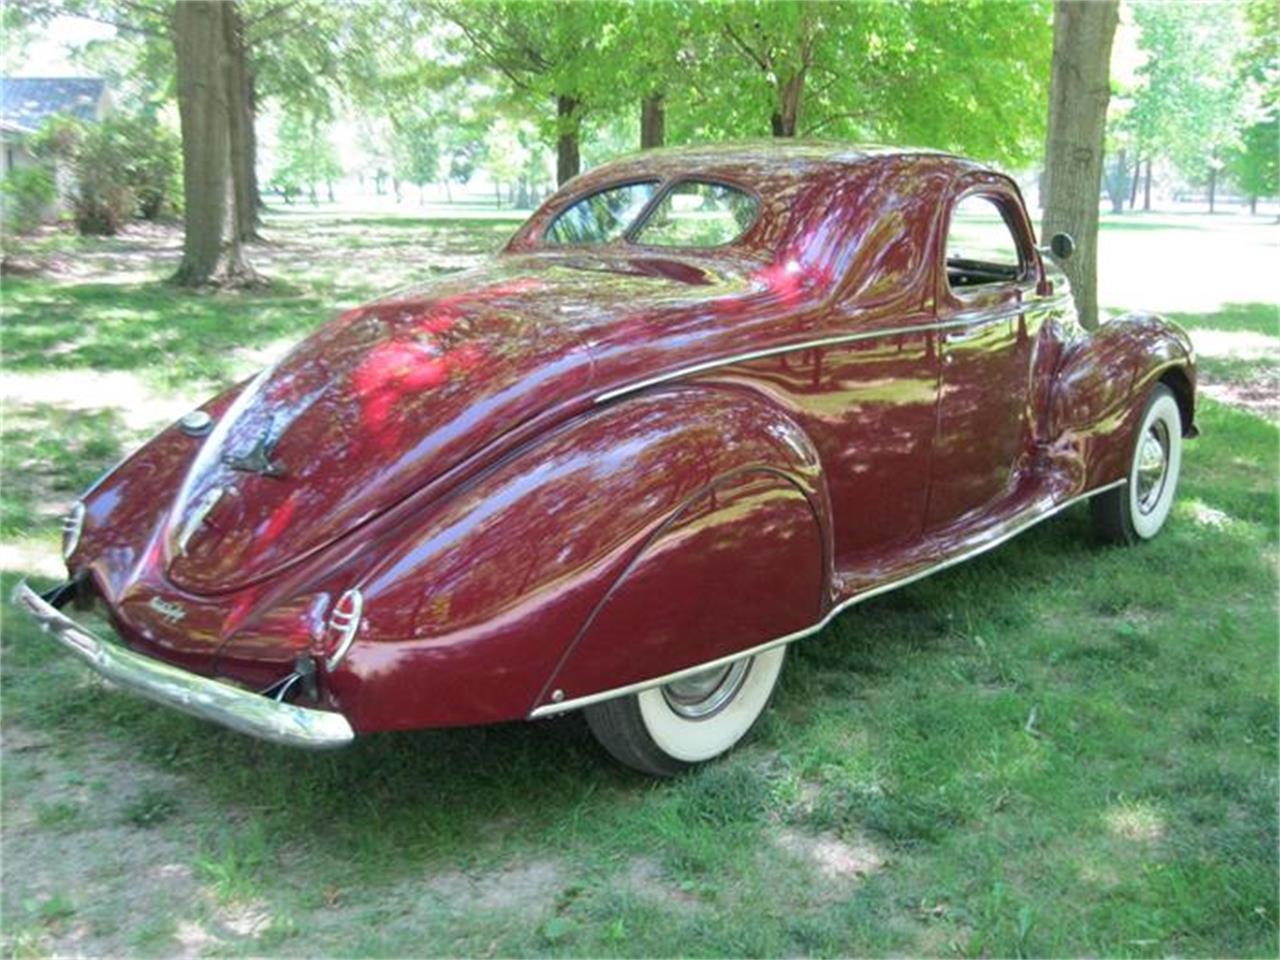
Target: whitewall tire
[(1138, 510), (667, 729)]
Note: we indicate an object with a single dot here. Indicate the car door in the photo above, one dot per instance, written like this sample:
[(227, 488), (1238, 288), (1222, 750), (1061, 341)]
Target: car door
[(988, 277)]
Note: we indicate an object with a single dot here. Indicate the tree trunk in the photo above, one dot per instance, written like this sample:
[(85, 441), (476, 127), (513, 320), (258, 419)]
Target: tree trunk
[(1213, 187), (1146, 187), (244, 220), (1253, 204), (251, 156), (199, 49), (568, 159), (653, 121), (1133, 185), (786, 116), (1079, 90)]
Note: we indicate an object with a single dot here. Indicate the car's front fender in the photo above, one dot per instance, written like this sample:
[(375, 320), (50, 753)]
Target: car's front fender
[(469, 616), (1102, 382)]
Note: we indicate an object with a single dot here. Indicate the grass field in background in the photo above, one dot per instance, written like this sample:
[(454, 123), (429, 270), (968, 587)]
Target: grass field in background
[(1055, 749)]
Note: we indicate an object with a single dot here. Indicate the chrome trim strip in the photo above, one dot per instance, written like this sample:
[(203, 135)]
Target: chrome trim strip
[(163, 683), (1015, 527), (1046, 304)]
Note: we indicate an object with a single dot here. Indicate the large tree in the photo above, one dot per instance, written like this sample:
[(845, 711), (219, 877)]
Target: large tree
[(199, 39), (1079, 89)]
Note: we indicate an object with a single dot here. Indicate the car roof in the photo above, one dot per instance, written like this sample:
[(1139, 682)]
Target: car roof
[(751, 159)]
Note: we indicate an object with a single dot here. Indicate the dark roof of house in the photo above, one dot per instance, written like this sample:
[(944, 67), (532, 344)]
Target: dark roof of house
[(29, 101)]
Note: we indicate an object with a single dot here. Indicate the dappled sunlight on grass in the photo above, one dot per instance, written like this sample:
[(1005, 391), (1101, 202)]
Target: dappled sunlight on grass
[(1135, 820)]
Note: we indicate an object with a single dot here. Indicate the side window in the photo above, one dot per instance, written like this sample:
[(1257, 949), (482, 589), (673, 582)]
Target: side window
[(602, 217), (981, 248), (699, 214)]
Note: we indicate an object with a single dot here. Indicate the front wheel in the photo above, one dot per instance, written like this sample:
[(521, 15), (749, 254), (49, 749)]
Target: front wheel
[(665, 730), (1137, 511)]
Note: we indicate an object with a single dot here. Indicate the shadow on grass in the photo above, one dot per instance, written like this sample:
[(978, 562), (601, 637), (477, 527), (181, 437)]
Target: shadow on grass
[(50, 455), (110, 326)]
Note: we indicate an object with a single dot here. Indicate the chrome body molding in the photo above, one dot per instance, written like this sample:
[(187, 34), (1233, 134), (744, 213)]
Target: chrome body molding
[(241, 710), (834, 341), (1011, 529)]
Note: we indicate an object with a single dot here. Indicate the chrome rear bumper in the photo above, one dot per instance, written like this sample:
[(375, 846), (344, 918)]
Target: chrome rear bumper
[(242, 710)]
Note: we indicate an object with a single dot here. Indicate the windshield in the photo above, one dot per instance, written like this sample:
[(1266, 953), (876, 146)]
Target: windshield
[(691, 214)]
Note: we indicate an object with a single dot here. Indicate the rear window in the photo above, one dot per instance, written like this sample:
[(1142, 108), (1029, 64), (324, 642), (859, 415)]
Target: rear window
[(602, 217), (699, 214)]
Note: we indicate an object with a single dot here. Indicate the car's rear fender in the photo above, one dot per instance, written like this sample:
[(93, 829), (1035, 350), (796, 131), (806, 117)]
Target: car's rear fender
[(469, 617), (1101, 385)]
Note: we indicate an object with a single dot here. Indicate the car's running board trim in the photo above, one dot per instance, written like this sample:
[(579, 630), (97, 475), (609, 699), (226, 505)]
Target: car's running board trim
[(1015, 527)]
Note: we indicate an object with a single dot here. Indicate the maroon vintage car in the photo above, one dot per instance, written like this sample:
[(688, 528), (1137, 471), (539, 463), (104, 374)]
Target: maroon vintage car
[(704, 400)]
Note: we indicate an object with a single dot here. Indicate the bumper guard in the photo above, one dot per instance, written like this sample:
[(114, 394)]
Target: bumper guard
[(222, 703)]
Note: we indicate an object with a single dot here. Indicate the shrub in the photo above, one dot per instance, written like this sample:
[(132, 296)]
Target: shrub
[(154, 170), (103, 199), (122, 166), (27, 193)]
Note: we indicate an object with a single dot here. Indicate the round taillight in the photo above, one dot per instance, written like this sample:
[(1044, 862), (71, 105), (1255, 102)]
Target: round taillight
[(344, 623), (72, 525)]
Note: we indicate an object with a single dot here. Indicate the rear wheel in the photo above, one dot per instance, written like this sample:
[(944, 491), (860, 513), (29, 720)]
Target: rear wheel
[(668, 729), (1138, 510)]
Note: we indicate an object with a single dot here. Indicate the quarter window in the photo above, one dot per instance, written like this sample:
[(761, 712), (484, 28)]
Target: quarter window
[(981, 247), (698, 214), (602, 217)]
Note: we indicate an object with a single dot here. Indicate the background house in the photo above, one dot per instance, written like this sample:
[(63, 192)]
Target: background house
[(27, 102)]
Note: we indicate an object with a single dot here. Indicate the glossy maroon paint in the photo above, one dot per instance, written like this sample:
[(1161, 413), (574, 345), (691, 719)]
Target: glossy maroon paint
[(532, 519)]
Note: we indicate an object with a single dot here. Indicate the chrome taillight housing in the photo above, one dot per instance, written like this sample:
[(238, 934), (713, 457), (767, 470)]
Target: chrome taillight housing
[(72, 526), (342, 626)]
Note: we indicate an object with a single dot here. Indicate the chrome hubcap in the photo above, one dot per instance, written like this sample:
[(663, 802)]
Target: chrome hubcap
[(1153, 466), (703, 694)]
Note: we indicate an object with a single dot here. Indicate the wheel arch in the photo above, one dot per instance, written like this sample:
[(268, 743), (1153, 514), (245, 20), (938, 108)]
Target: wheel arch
[(775, 585)]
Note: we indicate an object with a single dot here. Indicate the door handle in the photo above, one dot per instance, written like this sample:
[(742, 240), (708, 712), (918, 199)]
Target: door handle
[(964, 334)]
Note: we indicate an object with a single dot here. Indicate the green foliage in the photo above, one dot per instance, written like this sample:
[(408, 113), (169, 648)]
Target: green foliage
[(103, 200), (122, 166), (1188, 104), (27, 193), (415, 147), (1255, 162), (306, 157), (891, 72), (154, 168)]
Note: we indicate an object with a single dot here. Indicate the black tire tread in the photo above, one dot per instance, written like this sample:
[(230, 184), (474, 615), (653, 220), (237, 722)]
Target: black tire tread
[(619, 728)]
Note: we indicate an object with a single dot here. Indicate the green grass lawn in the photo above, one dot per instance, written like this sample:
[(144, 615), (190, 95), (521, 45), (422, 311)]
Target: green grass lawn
[(1055, 749)]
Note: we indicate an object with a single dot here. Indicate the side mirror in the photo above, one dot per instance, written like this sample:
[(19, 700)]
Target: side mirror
[(1062, 246)]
